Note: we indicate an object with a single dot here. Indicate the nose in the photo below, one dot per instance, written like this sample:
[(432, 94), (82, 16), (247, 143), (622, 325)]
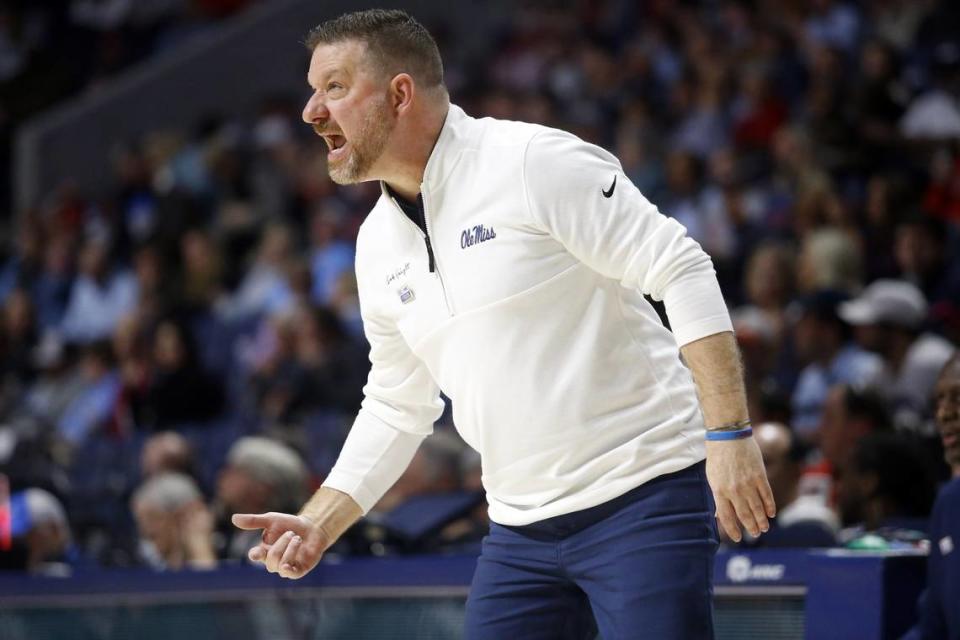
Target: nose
[(315, 110)]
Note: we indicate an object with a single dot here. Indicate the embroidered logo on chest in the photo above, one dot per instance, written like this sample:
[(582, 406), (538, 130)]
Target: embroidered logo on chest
[(476, 235), (406, 295)]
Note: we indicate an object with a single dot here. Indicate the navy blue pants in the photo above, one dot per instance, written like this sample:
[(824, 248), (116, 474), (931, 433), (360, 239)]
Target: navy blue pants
[(638, 566)]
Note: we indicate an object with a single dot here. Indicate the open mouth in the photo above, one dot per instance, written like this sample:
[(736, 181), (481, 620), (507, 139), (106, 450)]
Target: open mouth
[(950, 439), (336, 143)]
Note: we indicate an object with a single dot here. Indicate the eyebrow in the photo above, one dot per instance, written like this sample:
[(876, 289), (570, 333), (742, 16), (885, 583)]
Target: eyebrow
[(326, 75)]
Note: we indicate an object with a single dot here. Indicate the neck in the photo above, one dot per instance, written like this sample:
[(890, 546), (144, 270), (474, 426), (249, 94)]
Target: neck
[(411, 149)]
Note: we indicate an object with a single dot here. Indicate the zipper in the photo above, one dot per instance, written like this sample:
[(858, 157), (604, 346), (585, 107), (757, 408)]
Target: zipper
[(431, 258)]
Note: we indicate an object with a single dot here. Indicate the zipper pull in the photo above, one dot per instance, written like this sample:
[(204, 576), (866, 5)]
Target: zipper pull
[(430, 257)]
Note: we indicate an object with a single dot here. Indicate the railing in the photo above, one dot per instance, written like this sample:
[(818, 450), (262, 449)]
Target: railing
[(759, 594)]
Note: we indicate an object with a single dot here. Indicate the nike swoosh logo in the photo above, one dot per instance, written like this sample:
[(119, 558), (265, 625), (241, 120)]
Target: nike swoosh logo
[(609, 192)]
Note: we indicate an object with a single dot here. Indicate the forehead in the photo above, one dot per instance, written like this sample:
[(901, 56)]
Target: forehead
[(950, 377), (345, 57)]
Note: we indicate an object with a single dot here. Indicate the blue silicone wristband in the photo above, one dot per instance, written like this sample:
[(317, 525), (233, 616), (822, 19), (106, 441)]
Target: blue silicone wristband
[(730, 435)]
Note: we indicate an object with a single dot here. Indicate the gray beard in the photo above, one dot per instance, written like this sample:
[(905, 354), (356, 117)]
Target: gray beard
[(366, 148)]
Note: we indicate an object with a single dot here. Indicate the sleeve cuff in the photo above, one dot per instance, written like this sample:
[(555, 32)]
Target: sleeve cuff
[(696, 309)]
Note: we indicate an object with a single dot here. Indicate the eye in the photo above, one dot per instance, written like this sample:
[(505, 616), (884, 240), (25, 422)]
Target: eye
[(333, 86)]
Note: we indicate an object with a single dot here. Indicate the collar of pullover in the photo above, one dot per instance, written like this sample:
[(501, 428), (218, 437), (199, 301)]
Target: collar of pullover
[(445, 152)]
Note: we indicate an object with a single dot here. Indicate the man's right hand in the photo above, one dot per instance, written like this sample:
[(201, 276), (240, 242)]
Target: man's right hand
[(291, 545)]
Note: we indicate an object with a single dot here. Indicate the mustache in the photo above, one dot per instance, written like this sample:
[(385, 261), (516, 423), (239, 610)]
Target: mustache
[(322, 130)]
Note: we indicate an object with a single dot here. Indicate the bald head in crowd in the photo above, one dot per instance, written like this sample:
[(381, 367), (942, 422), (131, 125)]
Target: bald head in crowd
[(783, 468)]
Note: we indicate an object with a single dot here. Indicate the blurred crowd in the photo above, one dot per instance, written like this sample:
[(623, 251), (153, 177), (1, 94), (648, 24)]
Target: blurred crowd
[(55, 49), (188, 344)]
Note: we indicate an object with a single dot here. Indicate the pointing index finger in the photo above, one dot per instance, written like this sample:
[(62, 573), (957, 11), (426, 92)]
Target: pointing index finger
[(250, 521)]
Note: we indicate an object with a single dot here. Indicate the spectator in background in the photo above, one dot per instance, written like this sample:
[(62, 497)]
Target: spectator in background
[(796, 175), (333, 364), (823, 344), (435, 468), (887, 194), (880, 99), (921, 248), (180, 390), (92, 408), (18, 337), (175, 526), (934, 114), (39, 525), (154, 282), (832, 24), (309, 363), (849, 414), (889, 316), (829, 259), (769, 284), (803, 520), (201, 283), (167, 452), (51, 289), (330, 255), (260, 475), (947, 412), (20, 268), (941, 197), (684, 195), (887, 487), (57, 383), (758, 112), (100, 296), (939, 614), (264, 288)]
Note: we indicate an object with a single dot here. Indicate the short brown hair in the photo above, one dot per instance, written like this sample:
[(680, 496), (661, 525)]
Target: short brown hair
[(396, 42)]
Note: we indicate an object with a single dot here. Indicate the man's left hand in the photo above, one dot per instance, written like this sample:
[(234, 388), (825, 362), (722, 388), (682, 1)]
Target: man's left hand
[(739, 482)]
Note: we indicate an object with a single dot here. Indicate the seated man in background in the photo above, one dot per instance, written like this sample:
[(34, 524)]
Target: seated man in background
[(803, 520), (849, 414), (260, 475), (889, 317), (824, 344), (887, 489), (42, 541), (939, 613), (176, 527)]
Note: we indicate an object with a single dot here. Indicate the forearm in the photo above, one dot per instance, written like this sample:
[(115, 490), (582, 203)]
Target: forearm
[(717, 372), (332, 512)]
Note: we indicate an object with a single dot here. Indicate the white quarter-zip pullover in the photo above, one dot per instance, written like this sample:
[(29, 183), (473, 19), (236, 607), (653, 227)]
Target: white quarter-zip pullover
[(532, 321)]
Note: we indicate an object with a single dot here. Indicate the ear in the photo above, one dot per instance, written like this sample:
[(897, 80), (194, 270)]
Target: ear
[(402, 92)]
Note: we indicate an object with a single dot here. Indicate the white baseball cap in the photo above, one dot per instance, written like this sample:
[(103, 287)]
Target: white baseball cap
[(895, 302)]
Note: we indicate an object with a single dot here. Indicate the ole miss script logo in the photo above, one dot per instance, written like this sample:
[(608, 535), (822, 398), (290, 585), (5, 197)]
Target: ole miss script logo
[(476, 235)]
